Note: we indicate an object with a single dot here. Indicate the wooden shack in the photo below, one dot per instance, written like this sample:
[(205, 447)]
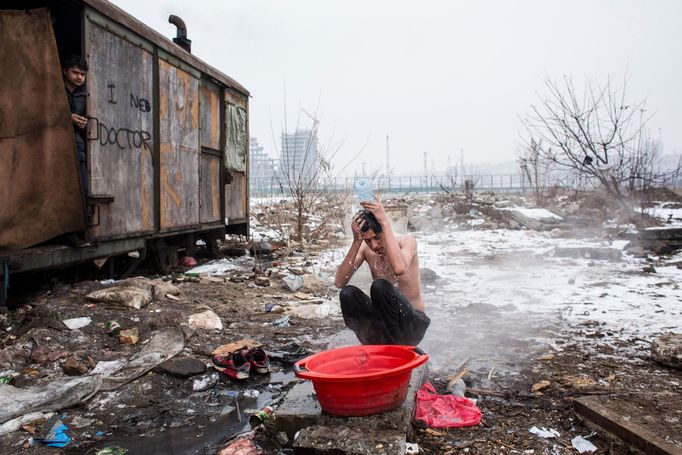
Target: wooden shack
[(167, 139)]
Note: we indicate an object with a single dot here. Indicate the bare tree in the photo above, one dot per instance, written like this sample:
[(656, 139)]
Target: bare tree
[(597, 135), (307, 175), (536, 170)]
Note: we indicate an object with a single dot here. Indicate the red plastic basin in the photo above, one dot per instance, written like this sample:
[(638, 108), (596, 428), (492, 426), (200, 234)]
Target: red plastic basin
[(361, 380)]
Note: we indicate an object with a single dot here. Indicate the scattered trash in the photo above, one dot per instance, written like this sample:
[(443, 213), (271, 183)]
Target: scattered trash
[(293, 282), (243, 445), (457, 387), (77, 323), (244, 343), (582, 445), (107, 282), (261, 281), (260, 248), (540, 386), (251, 393), (411, 448), (134, 292), (206, 320), (129, 336), (205, 382), (445, 411), (114, 328), (188, 261), (74, 367), (112, 450), (42, 356), (284, 321), (53, 433), (7, 380), (14, 424), (65, 392), (261, 416), (544, 432), (269, 307), (81, 422), (106, 368)]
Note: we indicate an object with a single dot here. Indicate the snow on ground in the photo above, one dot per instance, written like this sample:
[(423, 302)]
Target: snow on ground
[(672, 217), (524, 292), (502, 267)]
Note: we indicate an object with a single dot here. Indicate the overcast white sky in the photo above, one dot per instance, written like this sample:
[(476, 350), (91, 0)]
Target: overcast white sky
[(449, 78)]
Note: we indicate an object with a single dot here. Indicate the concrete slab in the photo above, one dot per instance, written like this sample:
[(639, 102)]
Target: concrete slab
[(300, 409), (325, 440), (595, 411)]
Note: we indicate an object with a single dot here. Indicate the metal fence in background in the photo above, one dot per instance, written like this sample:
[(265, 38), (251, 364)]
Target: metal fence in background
[(265, 187)]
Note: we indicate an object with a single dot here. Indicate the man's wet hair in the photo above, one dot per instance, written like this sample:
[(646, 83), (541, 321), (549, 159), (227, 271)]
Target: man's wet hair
[(370, 222), (75, 61)]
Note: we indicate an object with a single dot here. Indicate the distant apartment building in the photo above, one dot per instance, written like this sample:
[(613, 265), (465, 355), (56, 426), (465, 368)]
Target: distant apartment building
[(262, 168), (299, 154)]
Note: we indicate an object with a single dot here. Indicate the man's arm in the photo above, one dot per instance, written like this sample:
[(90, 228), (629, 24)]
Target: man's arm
[(354, 258), (399, 257)]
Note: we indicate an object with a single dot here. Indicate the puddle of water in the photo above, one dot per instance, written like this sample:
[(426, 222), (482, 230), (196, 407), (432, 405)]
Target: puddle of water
[(201, 438)]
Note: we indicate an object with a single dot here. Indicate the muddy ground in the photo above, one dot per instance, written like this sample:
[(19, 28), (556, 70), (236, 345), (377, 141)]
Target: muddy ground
[(160, 413)]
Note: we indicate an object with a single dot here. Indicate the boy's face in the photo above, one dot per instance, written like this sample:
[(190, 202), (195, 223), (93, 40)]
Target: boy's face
[(374, 241), (74, 76)]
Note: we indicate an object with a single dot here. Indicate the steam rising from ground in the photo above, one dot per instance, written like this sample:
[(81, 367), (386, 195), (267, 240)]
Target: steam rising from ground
[(504, 298)]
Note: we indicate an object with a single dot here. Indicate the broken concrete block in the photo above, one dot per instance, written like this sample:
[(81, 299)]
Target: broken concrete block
[(667, 350), (261, 281), (183, 367), (74, 367), (205, 320), (129, 336), (319, 440)]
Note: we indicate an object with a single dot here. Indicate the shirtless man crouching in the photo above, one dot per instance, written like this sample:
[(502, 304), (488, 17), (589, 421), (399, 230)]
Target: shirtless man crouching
[(393, 313)]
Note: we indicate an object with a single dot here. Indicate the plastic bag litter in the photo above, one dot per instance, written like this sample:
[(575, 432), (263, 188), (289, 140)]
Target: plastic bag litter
[(64, 392), (544, 432), (77, 323), (443, 411), (582, 445)]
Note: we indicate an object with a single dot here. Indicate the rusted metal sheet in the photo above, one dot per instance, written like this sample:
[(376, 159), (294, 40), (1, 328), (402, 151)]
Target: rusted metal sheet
[(120, 132), (236, 199), (179, 146), (210, 188), (39, 184), (210, 115)]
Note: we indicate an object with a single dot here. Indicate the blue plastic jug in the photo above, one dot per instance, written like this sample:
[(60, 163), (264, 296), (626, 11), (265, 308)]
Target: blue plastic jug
[(363, 189)]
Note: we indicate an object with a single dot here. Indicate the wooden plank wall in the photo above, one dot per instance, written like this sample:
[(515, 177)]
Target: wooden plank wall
[(209, 108), (236, 199), (179, 146), (120, 132), (210, 115), (210, 188)]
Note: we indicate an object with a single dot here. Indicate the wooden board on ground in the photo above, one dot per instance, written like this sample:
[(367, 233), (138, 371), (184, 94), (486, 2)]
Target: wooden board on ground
[(622, 417)]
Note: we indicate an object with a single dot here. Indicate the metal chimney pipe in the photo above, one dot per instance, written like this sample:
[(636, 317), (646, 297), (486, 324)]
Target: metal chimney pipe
[(181, 38)]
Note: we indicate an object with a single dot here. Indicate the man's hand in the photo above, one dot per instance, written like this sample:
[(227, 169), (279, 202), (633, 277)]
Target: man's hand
[(356, 225), (78, 120), (377, 210)]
